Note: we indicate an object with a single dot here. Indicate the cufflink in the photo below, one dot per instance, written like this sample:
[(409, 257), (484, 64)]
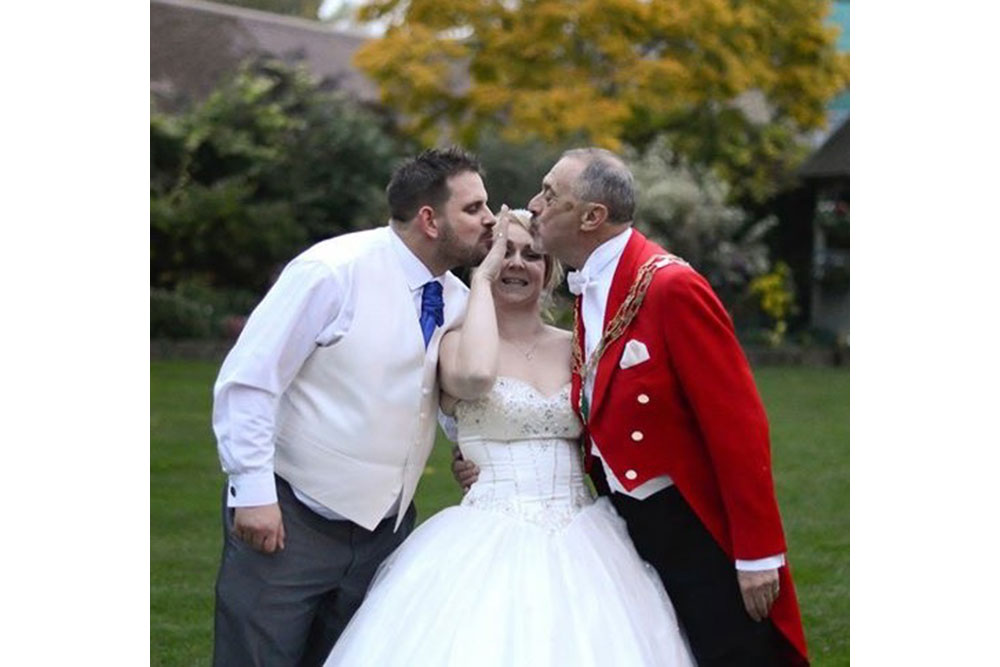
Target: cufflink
[(232, 491)]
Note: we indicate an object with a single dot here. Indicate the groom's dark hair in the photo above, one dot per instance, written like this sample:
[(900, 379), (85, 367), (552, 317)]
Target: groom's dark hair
[(423, 180)]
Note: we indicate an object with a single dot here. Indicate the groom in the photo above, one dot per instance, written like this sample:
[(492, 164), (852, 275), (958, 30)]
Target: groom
[(325, 413), (677, 435)]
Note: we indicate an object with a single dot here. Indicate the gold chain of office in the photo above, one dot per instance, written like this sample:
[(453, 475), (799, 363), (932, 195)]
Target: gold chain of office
[(626, 313)]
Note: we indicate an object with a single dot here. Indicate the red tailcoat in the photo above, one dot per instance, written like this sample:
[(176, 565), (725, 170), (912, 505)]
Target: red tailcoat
[(691, 411)]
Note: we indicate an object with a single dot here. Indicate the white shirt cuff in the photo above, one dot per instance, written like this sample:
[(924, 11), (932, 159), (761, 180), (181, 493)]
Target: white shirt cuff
[(449, 425), (769, 563), (252, 489)]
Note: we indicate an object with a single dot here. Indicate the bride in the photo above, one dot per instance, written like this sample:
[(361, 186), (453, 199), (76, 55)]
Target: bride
[(529, 569)]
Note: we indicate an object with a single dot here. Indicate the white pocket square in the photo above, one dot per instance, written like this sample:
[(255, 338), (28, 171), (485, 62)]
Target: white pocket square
[(635, 353)]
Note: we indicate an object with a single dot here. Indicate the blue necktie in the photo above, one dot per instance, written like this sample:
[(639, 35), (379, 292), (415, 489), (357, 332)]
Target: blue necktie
[(431, 309)]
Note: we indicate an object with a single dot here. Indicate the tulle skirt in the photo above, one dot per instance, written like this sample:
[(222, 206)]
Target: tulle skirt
[(475, 588)]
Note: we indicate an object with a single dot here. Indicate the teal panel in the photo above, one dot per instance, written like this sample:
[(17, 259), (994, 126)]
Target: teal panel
[(840, 15)]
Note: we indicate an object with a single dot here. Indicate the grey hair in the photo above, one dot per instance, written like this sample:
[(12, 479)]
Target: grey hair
[(606, 180)]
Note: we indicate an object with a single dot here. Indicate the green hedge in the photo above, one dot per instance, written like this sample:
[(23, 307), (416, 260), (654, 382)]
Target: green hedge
[(270, 163), (174, 316)]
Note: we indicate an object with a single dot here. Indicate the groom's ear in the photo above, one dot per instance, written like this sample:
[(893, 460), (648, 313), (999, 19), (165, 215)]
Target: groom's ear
[(593, 216), (428, 222)]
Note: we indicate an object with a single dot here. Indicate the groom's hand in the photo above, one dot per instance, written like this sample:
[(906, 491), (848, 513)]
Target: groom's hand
[(465, 472), (260, 527), (760, 590)]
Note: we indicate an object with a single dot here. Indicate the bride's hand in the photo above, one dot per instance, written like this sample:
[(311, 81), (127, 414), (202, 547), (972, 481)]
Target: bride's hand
[(489, 269)]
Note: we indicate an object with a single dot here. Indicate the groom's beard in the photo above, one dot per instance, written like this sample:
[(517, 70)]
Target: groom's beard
[(458, 253)]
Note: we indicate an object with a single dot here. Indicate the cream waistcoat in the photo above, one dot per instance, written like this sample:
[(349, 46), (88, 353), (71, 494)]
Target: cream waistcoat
[(356, 425)]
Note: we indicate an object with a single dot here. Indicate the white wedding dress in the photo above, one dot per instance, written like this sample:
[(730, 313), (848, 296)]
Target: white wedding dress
[(529, 570)]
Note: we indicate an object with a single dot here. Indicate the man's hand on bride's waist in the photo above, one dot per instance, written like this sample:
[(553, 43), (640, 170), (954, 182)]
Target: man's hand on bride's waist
[(465, 472)]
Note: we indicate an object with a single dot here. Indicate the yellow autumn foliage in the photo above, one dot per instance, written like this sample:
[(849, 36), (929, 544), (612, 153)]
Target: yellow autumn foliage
[(777, 299), (607, 71)]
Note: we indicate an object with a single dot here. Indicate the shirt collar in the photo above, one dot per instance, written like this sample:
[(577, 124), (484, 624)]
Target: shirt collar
[(416, 272), (603, 258)]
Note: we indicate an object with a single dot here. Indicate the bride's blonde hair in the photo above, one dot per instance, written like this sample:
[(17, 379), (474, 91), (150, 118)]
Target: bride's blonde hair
[(553, 267)]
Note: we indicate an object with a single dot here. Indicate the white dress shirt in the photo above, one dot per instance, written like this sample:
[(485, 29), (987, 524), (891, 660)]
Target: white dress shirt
[(310, 305), (596, 275)]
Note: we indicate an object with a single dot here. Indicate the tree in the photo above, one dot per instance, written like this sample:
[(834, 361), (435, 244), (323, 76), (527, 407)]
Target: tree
[(514, 171), (266, 165), (686, 210), (612, 72)]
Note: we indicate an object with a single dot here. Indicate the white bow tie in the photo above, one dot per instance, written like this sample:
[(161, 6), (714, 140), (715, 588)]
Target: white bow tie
[(577, 281)]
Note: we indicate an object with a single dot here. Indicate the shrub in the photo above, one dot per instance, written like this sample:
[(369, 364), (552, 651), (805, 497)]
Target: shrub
[(195, 310), (688, 212), (174, 316), (514, 171), (777, 300), (268, 164)]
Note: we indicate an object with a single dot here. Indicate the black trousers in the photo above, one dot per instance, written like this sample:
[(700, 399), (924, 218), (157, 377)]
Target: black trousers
[(698, 576), (288, 608)]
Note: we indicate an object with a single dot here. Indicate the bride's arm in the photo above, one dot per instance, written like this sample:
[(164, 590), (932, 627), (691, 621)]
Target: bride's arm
[(468, 357)]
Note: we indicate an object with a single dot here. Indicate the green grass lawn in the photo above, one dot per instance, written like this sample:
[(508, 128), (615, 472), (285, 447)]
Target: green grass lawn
[(808, 409)]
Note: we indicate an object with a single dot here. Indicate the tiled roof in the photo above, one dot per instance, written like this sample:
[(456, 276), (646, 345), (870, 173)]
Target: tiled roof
[(833, 158), (193, 44)]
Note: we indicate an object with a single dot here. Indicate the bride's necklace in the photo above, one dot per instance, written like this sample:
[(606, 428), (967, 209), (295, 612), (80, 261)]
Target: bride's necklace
[(528, 353)]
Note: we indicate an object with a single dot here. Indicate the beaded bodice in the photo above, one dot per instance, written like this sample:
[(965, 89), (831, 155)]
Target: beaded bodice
[(526, 446)]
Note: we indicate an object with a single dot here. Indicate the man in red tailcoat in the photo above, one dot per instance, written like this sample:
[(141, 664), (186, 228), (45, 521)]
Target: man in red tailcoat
[(677, 434)]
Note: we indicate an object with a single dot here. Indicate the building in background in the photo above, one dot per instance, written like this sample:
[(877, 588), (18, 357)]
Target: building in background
[(839, 108), (194, 44), (827, 174), (813, 233)]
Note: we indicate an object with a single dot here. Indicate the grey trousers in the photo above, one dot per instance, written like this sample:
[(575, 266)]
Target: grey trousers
[(289, 607)]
